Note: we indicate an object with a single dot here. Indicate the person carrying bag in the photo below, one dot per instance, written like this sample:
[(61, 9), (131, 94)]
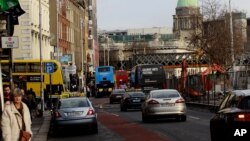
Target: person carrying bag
[(16, 121), (24, 135)]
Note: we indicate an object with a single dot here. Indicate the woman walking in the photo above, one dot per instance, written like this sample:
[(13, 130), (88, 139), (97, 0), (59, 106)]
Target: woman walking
[(16, 117)]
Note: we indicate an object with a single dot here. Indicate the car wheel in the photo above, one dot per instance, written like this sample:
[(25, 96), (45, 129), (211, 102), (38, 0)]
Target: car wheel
[(145, 119), (110, 102), (95, 129)]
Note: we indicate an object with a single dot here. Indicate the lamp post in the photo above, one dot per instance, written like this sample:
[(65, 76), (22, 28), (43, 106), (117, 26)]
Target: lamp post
[(108, 49), (232, 43), (82, 58), (57, 21), (41, 56)]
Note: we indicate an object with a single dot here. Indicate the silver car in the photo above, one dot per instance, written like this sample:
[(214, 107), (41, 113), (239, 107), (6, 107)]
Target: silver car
[(75, 112), (164, 103)]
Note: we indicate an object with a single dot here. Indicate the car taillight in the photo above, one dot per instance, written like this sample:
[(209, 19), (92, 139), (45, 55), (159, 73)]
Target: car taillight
[(57, 114), (181, 100), (91, 112), (242, 117), (153, 102)]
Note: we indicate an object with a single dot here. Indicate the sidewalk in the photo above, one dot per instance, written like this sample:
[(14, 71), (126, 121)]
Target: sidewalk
[(40, 127)]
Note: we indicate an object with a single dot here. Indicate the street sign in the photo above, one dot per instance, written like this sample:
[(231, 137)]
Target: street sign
[(49, 67), (10, 42)]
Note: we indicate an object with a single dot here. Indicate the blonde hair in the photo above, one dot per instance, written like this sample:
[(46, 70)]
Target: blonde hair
[(17, 92)]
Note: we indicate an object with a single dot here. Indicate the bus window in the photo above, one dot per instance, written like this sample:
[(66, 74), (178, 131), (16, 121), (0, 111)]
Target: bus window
[(34, 67), (19, 67), (105, 69)]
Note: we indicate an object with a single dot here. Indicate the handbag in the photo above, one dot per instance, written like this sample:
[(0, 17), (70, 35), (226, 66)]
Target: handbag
[(24, 135)]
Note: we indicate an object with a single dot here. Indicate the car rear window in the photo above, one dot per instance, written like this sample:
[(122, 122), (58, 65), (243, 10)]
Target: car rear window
[(165, 94), (245, 103), (74, 103), (119, 91)]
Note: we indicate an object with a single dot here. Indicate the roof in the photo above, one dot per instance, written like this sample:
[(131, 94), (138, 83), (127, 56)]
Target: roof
[(242, 92), (187, 3)]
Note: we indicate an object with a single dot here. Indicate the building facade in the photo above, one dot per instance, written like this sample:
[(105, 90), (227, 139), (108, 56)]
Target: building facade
[(28, 31)]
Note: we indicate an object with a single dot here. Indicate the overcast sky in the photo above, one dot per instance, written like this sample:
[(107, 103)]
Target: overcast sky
[(124, 14)]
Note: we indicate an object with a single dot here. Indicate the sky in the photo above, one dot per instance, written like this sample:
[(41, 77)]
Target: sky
[(127, 14)]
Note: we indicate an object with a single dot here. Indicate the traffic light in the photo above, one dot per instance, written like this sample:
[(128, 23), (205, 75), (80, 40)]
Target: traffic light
[(11, 9), (11, 6)]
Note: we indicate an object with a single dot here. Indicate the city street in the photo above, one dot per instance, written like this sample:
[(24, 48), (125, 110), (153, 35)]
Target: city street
[(128, 126)]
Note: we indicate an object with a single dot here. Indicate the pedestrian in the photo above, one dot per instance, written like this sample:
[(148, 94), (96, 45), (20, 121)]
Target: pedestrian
[(6, 93), (88, 91), (15, 117)]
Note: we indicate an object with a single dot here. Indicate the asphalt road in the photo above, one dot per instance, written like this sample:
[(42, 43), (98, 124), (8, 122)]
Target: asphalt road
[(127, 126)]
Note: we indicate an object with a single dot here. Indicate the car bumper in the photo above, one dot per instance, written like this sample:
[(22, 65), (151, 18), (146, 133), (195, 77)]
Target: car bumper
[(89, 122), (133, 105), (165, 112)]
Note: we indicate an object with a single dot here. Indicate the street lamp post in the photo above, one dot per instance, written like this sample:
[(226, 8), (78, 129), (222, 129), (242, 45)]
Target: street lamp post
[(82, 58), (108, 49), (232, 43), (41, 56)]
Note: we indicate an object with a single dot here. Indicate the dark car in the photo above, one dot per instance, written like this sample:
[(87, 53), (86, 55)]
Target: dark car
[(71, 113), (132, 100), (116, 95), (232, 120)]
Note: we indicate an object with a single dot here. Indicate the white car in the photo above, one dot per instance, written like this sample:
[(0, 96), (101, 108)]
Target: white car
[(164, 103)]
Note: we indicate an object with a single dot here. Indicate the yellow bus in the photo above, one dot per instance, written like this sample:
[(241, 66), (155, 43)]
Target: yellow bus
[(26, 75)]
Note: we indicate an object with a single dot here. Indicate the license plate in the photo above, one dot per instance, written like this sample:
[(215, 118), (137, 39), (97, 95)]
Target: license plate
[(74, 114), (118, 96), (136, 100), (168, 104)]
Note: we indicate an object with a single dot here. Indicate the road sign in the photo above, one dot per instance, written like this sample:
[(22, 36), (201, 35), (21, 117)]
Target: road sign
[(49, 67), (10, 42)]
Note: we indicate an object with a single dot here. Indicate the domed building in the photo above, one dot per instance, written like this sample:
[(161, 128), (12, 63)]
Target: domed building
[(188, 18)]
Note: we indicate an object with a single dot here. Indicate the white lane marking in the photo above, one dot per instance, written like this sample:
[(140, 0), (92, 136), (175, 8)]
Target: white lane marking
[(115, 114), (193, 117)]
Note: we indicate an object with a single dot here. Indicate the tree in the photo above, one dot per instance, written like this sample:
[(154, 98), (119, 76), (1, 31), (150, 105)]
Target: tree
[(213, 35)]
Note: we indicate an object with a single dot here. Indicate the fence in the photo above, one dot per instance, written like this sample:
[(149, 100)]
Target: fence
[(209, 89)]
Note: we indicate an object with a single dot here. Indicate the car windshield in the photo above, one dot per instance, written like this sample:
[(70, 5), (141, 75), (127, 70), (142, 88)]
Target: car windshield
[(73, 103), (118, 91), (165, 94), (137, 94)]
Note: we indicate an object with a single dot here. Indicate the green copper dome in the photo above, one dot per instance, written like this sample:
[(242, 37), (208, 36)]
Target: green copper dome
[(187, 3)]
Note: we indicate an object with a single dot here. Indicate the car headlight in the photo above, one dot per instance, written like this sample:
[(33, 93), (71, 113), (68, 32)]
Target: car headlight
[(110, 89), (100, 90)]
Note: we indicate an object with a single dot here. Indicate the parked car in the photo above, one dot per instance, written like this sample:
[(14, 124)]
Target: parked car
[(71, 113), (232, 117), (132, 100), (116, 95), (164, 103)]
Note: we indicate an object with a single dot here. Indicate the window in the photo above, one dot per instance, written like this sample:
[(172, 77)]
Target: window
[(19, 67), (34, 67), (106, 69)]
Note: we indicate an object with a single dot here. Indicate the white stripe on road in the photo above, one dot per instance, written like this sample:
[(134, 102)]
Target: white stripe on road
[(115, 114), (193, 117)]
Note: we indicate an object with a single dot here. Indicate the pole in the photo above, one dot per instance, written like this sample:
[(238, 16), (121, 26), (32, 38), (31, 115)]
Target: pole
[(232, 43), (104, 54), (108, 49), (57, 23), (81, 42), (41, 56), (1, 90), (9, 19)]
